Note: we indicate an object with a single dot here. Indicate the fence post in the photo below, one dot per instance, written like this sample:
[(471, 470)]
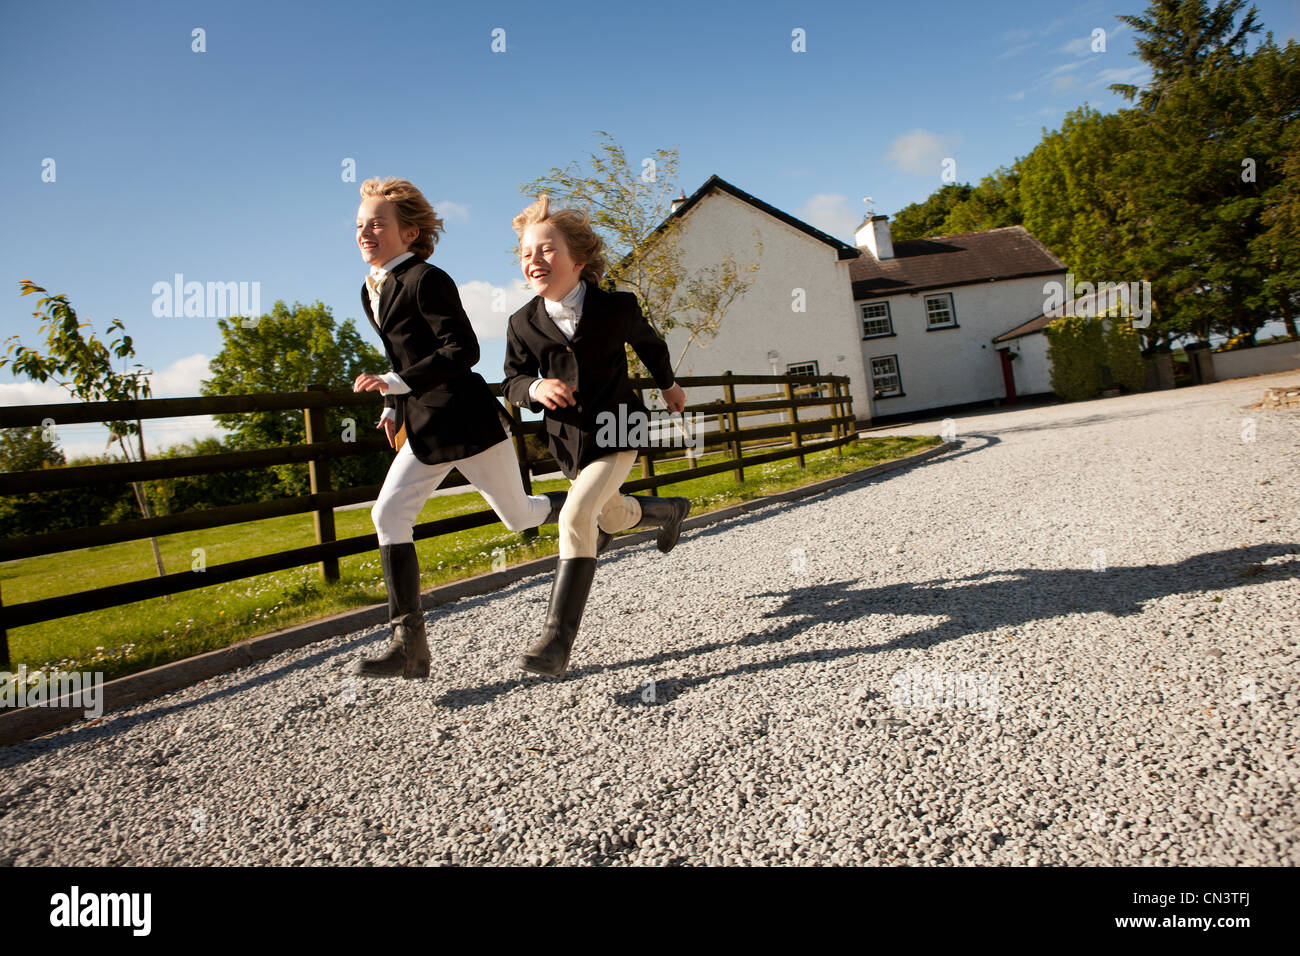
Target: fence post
[(521, 453), (733, 424), (647, 459), (795, 440), (318, 474), (840, 430)]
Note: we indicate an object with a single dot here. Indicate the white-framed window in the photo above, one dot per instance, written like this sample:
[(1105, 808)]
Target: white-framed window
[(805, 368), (939, 311), (885, 380), (876, 320)]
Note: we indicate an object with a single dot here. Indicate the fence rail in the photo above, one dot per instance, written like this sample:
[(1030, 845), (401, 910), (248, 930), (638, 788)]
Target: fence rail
[(799, 393)]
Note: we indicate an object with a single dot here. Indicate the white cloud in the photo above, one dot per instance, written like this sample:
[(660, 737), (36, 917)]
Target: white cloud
[(447, 209), (1079, 46), (479, 299), (920, 151), (1064, 68), (32, 393), (832, 214), (1014, 51), (181, 378)]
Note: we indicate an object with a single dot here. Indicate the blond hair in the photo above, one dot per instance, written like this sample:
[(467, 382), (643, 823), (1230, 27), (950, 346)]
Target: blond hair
[(412, 210), (575, 226)]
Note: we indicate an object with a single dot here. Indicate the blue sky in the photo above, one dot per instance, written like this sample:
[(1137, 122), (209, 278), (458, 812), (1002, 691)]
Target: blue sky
[(225, 165)]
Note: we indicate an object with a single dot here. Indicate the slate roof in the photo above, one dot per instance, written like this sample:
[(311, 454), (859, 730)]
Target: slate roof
[(944, 261), (1094, 302)]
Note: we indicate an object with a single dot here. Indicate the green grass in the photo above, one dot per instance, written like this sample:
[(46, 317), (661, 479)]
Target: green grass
[(125, 639)]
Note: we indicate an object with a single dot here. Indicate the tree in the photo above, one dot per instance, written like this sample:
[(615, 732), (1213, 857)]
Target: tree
[(27, 449), (1214, 150), (1275, 88), (81, 364), (993, 204), (1182, 39), (631, 211), (84, 366), (924, 219), (290, 350)]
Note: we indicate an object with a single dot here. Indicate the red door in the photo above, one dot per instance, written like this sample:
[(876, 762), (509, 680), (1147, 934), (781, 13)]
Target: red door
[(1008, 376)]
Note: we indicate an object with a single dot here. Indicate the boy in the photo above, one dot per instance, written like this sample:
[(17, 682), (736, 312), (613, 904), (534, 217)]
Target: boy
[(450, 417), (564, 354)]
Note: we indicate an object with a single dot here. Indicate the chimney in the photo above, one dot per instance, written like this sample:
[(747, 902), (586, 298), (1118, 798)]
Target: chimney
[(874, 235), (677, 203)]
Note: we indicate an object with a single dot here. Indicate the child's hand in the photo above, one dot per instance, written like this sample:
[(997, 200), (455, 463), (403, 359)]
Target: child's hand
[(555, 394), (675, 398), (369, 383), (390, 430)]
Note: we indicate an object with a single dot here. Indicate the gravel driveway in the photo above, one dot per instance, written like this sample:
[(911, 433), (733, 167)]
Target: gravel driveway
[(1071, 641)]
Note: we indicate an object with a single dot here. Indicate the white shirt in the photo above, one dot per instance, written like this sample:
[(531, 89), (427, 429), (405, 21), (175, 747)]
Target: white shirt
[(565, 314), (394, 381)]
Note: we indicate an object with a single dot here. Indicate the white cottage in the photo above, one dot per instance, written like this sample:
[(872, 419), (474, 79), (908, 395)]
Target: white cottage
[(792, 318), (912, 324), (932, 313)]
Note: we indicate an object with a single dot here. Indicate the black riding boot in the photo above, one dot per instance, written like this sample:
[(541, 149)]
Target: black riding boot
[(666, 514), (550, 654), (557, 502), (407, 654)]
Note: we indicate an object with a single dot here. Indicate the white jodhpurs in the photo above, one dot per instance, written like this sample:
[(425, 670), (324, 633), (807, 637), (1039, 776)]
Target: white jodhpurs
[(594, 499), (494, 473)]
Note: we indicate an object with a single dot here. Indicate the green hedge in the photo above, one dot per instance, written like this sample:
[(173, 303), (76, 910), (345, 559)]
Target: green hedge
[(1080, 347)]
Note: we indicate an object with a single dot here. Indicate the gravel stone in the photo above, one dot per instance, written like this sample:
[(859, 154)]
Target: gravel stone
[(1072, 640)]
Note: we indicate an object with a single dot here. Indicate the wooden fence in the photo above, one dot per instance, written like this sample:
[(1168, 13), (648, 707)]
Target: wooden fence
[(797, 393)]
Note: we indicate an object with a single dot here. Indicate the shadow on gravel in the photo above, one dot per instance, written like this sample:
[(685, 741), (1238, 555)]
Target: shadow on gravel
[(1098, 419), (970, 603)]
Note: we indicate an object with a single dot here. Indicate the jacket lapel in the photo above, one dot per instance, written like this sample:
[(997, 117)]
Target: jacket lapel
[(542, 322), (389, 291), (594, 302)]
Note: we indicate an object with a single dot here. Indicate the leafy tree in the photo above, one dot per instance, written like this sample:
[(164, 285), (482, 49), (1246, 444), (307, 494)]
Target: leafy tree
[(924, 219), (1214, 152), (1182, 39), (1274, 88), (84, 365), (26, 449), (630, 210), (993, 204), (288, 351)]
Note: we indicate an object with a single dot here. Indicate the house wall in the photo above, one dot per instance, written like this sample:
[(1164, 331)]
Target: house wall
[(953, 366), (1242, 363), (762, 319), (1032, 370)]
